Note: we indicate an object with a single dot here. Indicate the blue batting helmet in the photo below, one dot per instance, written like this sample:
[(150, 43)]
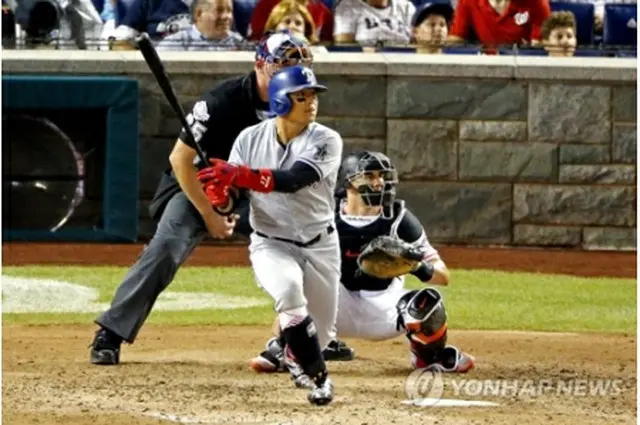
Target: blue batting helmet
[(290, 80)]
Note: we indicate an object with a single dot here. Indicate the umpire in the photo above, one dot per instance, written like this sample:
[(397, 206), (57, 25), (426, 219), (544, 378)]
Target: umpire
[(184, 212)]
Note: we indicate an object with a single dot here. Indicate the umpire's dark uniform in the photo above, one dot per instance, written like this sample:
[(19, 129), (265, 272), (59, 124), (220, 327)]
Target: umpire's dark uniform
[(218, 117)]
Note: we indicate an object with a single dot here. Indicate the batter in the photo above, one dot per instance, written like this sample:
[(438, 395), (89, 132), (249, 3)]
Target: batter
[(288, 167)]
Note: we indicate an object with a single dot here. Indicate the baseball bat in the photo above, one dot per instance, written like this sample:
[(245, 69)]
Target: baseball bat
[(160, 74), (162, 78)]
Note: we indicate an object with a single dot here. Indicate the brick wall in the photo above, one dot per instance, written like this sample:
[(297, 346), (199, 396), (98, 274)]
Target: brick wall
[(489, 152)]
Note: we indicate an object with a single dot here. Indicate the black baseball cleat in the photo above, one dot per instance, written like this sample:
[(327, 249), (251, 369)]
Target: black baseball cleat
[(322, 391), (271, 359), (105, 348), (338, 351)]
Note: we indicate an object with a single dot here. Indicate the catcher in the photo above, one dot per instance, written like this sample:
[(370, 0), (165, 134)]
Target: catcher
[(381, 241)]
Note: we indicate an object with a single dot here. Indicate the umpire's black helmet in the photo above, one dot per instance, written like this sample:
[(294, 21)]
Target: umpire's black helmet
[(359, 164)]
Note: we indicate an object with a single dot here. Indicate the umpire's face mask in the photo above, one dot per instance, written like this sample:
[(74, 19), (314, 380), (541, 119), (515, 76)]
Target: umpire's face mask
[(291, 56)]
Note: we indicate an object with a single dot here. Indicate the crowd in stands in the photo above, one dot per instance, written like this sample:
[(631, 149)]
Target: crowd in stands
[(524, 27)]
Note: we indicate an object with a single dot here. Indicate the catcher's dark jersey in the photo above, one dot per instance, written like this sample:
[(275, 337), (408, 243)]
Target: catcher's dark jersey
[(356, 232)]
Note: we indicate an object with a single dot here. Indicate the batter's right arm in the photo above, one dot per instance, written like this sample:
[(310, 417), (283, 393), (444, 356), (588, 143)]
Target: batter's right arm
[(300, 175)]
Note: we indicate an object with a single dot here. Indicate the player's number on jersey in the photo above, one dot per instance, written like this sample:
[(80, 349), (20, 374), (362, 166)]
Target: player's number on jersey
[(197, 128), (374, 23)]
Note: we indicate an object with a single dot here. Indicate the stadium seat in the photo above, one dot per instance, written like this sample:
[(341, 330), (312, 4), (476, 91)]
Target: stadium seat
[(620, 24), (584, 13), (542, 52), (99, 5), (461, 50), (626, 53), (522, 52), (331, 4), (345, 48), (242, 10), (398, 49), (121, 10), (588, 53), (418, 3)]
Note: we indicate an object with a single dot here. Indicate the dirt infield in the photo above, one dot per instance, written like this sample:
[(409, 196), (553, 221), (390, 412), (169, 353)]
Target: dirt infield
[(194, 374)]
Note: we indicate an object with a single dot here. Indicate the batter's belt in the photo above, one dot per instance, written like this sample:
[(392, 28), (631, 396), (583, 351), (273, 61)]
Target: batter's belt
[(330, 230)]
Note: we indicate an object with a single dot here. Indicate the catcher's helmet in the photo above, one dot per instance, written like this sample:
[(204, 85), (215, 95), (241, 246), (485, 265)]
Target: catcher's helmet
[(290, 80), (359, 164)]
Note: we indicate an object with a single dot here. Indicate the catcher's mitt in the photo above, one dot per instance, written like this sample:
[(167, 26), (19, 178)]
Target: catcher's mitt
[(386, 257)]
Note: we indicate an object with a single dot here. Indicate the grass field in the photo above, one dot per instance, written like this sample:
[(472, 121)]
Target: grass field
[(475, 300)]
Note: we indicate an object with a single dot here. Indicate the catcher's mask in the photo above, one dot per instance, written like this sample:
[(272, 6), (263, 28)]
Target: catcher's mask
[(357, 172), (279, 49)]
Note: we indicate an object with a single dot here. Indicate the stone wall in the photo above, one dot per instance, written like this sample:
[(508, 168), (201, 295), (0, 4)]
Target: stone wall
[(491, 150)]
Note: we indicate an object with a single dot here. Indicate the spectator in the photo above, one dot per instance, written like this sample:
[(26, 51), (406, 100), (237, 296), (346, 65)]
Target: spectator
[(8, 26), (431, 27), (559, 34), (57, 24), (291, 15), (370, 21), (496, 22), (81, 24), (211, 29), (158, 18), (322, 18), (108, 16)]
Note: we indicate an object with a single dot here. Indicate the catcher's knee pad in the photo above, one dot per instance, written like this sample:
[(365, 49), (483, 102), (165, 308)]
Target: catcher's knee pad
[(422, 315)]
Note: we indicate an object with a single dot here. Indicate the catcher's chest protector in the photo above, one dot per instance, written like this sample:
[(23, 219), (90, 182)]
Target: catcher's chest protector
[(353, 239)]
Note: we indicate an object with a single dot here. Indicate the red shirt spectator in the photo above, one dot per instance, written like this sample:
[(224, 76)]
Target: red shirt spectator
[(520, 22), (322, 17)]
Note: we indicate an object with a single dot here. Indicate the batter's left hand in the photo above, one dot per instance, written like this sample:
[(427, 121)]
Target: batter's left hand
[(220, 173), (218, 195)]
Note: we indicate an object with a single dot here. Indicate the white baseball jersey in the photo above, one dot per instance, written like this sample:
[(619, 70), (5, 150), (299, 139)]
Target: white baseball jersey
[(302, 215), (370, 24), (191, 39)]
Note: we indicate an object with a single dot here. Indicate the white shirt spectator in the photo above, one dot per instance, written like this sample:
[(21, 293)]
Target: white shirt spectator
[(370, 24), (191, 39)]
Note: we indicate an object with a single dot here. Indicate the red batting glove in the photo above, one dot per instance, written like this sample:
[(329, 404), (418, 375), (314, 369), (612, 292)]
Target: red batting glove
[(223, 174), (220, 173), (218, 195), (257, 180)]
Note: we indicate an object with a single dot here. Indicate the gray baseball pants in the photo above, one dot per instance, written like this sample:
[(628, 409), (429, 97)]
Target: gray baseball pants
[(179, 231)]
